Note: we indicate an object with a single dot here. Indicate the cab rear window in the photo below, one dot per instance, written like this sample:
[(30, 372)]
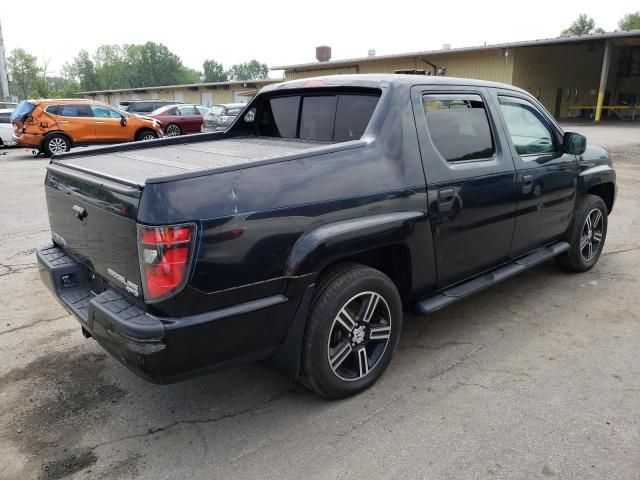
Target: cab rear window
[(327, 118)]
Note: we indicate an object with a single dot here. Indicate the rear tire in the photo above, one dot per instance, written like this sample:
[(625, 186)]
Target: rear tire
[(353, 329), (145, 134), (55, 143), (587, 236)]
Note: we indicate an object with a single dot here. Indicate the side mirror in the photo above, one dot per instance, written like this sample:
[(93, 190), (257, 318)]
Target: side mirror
[(574, 143), (123, 121), (250, 116)]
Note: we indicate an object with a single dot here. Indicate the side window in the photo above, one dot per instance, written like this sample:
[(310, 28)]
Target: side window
[(4, 117), (143, 107), (75, 111), (187, 110), (458, 126), (103, 112), (52, 109), (530, 133), (280, 117), (318, 118)]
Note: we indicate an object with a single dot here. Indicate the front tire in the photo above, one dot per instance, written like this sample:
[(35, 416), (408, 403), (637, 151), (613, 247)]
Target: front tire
[(144, 135), (173, 130), (588, 234), (55, 143), (353, 329)]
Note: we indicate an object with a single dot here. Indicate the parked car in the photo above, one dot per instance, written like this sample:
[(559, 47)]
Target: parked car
[(221, 116), (54, 126), (6, 129), (145, 106), (301, 233), (8, 105), (179, 119)]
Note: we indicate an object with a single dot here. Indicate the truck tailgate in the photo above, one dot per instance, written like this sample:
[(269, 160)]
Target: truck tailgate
[(94, 220)]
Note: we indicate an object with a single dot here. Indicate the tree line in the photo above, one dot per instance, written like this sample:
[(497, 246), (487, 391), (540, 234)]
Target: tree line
[(584, 25), (118, 66)]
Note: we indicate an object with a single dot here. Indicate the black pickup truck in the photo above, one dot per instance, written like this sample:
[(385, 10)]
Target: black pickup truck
[(301, 233)]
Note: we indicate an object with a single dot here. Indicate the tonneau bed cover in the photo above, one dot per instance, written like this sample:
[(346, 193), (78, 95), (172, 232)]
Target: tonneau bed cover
[(139, 165)]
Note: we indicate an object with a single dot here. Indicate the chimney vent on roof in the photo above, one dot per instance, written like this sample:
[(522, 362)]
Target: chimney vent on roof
[(323, 53), (371, 52), (446, 46)]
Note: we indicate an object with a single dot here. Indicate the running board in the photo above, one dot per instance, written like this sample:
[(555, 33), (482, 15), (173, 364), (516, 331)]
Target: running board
[(486, 280)]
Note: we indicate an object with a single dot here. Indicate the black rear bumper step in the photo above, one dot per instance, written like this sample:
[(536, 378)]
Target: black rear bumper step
[(488, 279)]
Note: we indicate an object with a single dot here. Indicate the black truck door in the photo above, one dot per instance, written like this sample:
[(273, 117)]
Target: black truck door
[(470, 179), (546, 177)]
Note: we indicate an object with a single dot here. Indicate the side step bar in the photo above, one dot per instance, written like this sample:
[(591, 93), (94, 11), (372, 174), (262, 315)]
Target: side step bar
[(489, 279)]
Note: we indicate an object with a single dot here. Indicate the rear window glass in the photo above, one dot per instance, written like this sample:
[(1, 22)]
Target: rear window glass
[(75, 111), (352, 116), (23, 109), (458, 126), (318, 118), (234, 111), (327, 118), (4, 117), (216, 110), (280, 117)]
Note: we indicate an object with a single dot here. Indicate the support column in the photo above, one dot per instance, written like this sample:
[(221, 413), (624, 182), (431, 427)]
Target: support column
[(606, 61)]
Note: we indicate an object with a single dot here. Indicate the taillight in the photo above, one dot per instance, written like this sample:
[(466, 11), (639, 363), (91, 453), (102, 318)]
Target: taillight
[(165, 256)]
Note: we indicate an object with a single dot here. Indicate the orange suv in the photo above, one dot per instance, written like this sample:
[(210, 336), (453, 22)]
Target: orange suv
[(54, 126)]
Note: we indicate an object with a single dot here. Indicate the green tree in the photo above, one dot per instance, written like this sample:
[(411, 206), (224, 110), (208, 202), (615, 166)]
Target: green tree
[(83, 71), (188, 75), (25, 73), (110, 66), (252, 70), (581, 26), (631, 21), (214, 71)]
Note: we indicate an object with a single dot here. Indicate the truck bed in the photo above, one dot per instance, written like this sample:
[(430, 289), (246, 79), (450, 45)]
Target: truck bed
[(138, 165)]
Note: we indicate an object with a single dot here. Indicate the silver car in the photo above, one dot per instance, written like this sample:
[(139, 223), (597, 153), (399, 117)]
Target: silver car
[(221, 116)]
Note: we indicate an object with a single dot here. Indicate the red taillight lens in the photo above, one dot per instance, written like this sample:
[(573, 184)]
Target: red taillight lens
[(165, 254)]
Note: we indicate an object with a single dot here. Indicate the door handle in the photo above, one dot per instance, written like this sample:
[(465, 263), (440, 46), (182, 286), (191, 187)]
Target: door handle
[(527, 183), (446, 195), (99, 123)]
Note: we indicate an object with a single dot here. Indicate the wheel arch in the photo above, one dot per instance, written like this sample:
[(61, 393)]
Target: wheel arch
[(606, 191), (57, 132), (378, 241)]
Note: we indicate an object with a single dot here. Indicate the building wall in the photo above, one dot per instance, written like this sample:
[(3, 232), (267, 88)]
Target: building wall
[(575, 69), (193, 95), (484, 65)]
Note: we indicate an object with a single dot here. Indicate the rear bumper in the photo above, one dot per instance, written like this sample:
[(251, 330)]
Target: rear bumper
[(28, 140), (161, 349)]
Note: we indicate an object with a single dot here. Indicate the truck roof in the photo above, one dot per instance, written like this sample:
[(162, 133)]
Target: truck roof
[(376, 80)]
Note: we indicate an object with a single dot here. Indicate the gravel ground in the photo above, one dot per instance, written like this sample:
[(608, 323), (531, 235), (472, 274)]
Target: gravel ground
[(536, 378)]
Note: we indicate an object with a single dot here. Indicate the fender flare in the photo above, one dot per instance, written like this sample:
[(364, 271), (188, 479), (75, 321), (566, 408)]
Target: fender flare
[(326, 243)]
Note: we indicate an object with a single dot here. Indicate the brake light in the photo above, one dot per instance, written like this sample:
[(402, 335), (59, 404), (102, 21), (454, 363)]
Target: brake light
[(165, 256)]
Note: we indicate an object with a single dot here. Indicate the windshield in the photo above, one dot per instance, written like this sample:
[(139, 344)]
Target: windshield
[(23, 109)]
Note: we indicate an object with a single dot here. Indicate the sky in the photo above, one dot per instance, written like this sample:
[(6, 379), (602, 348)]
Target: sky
[(279, 32)]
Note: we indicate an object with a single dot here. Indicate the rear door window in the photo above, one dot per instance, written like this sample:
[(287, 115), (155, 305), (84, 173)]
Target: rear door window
[(458, 126), (187, 110), (75, 111), (52, 109)]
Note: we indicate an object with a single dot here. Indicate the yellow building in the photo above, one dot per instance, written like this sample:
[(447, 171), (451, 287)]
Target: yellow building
[(206, 94), (565, 74)]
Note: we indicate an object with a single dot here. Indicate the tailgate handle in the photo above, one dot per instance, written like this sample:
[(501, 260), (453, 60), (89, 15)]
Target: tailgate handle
[(80, 212)]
